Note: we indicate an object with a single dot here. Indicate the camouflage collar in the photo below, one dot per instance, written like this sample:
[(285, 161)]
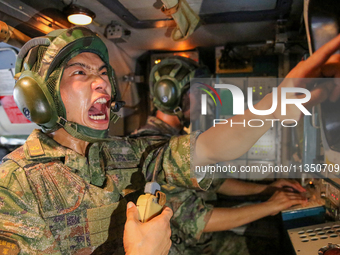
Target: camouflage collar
[(40, 146), (156, 124)]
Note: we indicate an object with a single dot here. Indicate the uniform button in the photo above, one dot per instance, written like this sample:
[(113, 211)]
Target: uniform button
[(176, 239)]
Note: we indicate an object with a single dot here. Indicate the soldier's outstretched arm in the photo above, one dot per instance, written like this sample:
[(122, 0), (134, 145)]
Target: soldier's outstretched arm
[(150, 238), (222, 142), (233, 187), (227, 218)]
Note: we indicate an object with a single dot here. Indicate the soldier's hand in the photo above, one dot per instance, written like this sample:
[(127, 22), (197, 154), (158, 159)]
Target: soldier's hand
[(286, 184), (282, 200), (150, 238), (321, 64)]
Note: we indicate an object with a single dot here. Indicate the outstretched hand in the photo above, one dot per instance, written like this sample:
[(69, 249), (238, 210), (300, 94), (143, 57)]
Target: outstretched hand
[(321, 64)]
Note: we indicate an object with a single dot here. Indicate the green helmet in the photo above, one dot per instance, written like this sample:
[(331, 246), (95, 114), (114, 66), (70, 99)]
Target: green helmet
[(170, 79), (39, 69)]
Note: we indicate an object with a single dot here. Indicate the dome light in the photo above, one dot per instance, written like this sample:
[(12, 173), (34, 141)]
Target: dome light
[(79, 15)]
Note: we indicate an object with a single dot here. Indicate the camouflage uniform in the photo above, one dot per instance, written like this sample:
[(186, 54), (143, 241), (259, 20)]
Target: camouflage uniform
[(191, 213), (157, 127), (50, 203)]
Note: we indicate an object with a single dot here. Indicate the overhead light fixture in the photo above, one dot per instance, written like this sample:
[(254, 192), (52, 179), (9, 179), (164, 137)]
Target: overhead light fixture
[(79, 15)]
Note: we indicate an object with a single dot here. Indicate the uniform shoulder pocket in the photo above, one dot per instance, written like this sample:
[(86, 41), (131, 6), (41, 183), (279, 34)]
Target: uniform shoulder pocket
[(6, 170)]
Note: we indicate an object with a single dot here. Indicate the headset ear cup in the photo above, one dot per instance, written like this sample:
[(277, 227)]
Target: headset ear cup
[(165, 92), (32, 99)]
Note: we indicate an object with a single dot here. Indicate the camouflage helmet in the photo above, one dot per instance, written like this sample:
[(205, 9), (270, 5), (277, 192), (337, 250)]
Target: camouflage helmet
[(39, 69), (169, 80)]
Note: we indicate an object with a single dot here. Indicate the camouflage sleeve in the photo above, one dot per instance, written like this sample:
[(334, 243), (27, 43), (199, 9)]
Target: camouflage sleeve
[(22, 229), (177, 166), (216, 184), (191, 213), (171, 159)]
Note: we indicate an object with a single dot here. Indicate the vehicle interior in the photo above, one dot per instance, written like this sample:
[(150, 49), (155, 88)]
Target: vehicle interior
[(251, 43)]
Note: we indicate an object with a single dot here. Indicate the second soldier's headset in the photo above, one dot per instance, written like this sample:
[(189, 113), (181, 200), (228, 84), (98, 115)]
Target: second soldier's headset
[(170, 79), (39, 69)]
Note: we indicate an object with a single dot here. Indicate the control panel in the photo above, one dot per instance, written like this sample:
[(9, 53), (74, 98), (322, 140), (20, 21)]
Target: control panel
[(267, 150), (261, 87), (311, 239), (265, 147), (332, 196)]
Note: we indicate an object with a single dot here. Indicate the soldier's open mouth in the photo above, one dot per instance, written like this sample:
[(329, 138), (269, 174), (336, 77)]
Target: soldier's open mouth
[(98, 110)]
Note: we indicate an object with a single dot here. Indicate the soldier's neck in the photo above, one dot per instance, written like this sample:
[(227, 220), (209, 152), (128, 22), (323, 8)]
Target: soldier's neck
[(171, 120), (67, 140)]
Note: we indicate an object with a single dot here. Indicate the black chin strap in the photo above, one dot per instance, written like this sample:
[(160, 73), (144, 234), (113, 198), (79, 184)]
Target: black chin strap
[(73, 129), (87, 134), (180, 115)]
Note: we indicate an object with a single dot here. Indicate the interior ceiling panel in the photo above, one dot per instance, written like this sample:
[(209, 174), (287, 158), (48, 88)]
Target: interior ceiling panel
[(145, 10), (223, 21), (208, 35), (218, 6), (141, 17), (30, 20)]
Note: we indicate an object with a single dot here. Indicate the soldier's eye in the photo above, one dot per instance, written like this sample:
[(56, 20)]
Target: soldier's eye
[(79, 72)]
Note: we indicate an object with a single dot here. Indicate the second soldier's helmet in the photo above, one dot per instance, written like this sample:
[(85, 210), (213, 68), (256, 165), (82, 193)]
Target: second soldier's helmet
[(39, 68), (169, 80)]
